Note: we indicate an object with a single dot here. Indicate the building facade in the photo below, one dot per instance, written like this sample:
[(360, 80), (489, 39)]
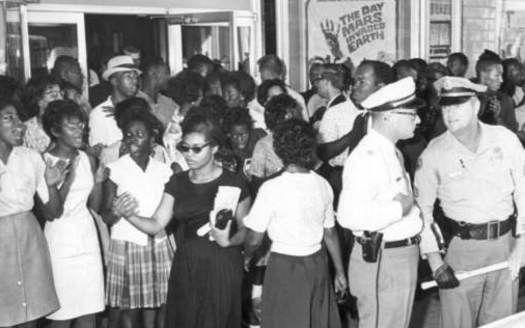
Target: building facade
[(237, 32)]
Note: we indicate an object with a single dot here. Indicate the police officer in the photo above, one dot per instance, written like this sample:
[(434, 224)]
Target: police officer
[(376, 203), (477, 173)]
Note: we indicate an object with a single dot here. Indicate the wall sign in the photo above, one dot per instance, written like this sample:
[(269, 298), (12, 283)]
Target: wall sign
[(351, 28)]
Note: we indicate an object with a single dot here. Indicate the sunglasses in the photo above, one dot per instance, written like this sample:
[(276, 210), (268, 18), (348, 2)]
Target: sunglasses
[(195, 149)]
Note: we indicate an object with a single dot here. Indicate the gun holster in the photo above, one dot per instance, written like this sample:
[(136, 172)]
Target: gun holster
[(371, 244)]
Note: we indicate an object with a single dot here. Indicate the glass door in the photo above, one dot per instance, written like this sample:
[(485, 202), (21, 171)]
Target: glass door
[(226, 37), (52, 34)]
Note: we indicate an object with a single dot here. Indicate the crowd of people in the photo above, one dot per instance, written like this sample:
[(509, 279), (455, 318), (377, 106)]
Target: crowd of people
[(208, 200)]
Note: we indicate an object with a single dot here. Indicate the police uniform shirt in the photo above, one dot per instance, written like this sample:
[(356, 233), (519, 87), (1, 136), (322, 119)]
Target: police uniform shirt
[(472, 187), (373, 175)]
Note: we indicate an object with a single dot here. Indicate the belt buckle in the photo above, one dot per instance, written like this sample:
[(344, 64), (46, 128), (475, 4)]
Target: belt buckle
[(412, 241), (464, 232), (490, 229)]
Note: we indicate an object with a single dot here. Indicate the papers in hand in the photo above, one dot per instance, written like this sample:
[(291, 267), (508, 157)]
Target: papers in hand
[(227, 197)]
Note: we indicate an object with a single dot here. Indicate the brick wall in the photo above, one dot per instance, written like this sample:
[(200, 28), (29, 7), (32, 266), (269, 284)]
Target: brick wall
[(478, 29)]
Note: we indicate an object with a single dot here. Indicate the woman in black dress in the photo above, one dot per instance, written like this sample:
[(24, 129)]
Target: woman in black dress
[(205, 284)]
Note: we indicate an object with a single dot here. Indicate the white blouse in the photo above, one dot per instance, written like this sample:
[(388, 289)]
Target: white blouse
[(147, 186), (20, 178), (294, 208)]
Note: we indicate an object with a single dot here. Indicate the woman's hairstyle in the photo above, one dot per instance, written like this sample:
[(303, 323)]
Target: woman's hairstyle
[(6, 102), (294, 141), (186, 87), (57, 112), (216, 105), (237, 116), (508, 86), (9, 87), (138, 110), (278, 108), (33, 92), (215, 77), (199, 122), (241, 81), (264, 88)]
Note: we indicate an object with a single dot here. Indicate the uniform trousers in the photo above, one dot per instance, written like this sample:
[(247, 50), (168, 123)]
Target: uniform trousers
[(385, 289), (482, 299)]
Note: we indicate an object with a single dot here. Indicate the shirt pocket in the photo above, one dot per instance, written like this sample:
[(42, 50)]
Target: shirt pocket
[(499, 176), (455, 185)]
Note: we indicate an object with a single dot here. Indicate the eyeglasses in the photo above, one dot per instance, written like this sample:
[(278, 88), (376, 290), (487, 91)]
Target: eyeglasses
[(413, 114), (195, 149), (317, 79), (53, 93)]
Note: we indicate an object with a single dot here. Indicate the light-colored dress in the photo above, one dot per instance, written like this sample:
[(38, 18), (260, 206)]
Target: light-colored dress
[(27, 291), (75, 252)]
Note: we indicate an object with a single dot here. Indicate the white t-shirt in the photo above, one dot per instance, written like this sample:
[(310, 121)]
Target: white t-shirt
[(294, 208)]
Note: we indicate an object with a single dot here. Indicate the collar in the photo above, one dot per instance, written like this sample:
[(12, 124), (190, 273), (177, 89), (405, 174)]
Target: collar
[(335, 100), (379, 140), (484, 142)]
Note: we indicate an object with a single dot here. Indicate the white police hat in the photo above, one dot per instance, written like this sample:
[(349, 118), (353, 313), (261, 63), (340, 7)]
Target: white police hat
[(456, 90), (400, 94)]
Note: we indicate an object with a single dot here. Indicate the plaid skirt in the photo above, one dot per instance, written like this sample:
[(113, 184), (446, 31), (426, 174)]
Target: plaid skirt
[(137, 276)]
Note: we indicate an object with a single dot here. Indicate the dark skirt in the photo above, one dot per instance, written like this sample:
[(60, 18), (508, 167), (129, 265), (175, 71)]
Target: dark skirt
[(27, 290), (298, 293), (204, 289)]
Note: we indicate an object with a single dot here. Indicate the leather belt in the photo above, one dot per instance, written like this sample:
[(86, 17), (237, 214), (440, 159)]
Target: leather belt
[(403, 242), (485, 231), (398, 243)]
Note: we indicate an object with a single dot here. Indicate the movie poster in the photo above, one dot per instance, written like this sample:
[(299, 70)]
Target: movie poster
[(351, 28)]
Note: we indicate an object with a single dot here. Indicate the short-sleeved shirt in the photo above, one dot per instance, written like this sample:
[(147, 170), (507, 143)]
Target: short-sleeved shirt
[(337, 121), (20, 178), (146, 186), (373, 175), (294, 208), (102, 125), (265, 161), (472, 187), (195, 201)]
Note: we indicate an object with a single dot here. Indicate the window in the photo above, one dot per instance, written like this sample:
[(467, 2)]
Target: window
[(440, 29)]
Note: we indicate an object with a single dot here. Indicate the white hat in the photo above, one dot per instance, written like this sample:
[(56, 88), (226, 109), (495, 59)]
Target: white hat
[(401, 93), (455, 90), (120, 63)]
